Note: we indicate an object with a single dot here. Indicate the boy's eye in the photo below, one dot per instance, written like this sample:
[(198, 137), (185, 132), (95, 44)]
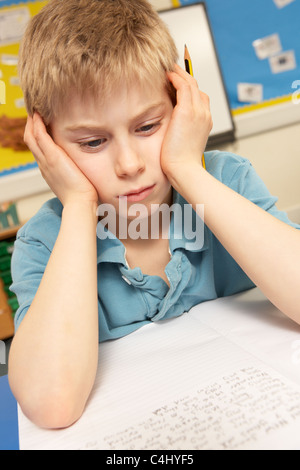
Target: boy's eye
[(148, 129), (93, 144)]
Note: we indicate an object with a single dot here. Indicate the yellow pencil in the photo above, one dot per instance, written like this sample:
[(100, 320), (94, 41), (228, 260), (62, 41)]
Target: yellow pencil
[(188, 61), (189, 69)]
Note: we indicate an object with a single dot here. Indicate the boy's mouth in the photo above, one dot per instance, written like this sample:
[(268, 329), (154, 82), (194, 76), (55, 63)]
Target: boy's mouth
[(137, 195)]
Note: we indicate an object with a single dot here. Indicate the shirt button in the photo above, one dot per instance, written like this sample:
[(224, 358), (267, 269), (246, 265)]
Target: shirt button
[(126, 280)]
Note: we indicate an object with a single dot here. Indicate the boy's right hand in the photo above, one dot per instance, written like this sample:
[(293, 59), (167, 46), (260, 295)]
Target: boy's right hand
[(59, 171)]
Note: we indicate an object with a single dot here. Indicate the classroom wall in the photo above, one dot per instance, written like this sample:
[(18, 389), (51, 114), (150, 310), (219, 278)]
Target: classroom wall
[(276, 157), (161, 4)]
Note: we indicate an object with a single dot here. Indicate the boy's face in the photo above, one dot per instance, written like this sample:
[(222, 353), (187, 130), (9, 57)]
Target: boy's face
[(116, 142)]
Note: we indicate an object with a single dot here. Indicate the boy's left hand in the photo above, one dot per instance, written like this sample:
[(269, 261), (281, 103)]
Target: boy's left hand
[(189, 127)]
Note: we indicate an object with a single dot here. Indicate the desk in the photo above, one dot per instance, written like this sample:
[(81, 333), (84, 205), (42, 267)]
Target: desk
[(225, 375)]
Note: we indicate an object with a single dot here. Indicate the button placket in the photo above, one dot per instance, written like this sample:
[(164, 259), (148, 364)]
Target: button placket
[(174, 276), (133, 277)]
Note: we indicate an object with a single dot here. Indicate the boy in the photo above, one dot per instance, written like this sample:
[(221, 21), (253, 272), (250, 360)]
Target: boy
[(114, 123)]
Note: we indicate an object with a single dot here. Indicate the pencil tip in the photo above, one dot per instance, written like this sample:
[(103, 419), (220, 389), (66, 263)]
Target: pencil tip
[(186, 53)]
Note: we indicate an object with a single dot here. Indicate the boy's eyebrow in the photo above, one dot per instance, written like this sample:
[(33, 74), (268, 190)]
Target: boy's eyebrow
[(152, 108), (95, 128)]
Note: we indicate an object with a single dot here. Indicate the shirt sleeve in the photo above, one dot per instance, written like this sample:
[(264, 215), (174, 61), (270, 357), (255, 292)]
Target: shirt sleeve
[(29, 261), (32, 250)]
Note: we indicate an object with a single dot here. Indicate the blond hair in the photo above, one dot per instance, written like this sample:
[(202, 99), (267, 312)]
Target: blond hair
[(91, 46)]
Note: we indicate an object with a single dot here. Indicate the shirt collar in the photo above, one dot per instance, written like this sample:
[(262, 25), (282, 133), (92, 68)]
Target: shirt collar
[(187, 232), (109, 248)]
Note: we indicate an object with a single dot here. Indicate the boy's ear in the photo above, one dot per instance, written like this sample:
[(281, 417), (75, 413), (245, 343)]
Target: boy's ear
[(173, 94), (48, 129)]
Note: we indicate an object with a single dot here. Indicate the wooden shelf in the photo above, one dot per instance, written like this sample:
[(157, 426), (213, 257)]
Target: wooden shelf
[(6, 319), (9, 232)]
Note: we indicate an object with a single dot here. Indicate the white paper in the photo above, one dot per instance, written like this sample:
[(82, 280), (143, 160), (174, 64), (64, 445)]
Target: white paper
[(2, 92), (9, 59), (267, 46), (219, 377), (282, 3), (250, 92), (283, 62), (20, 103), (12, 25), (15, 81)]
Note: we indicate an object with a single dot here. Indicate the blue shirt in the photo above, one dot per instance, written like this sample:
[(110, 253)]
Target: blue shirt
[(127, 298)]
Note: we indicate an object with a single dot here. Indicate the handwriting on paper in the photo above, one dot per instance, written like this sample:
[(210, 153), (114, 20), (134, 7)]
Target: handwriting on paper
[(234, 412)]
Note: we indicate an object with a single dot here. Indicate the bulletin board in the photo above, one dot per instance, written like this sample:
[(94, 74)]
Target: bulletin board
[(14, 155), (236, 24)]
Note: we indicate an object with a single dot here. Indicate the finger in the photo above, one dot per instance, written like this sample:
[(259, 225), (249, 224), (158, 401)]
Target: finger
[(183, 88), (53, 154), (46, 144), (187, 79), (197, 98), (40, 133), (192, 81), (193, 104), (186, 76), (30, 140)]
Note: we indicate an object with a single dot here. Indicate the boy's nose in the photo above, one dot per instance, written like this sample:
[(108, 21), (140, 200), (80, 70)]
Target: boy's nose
[(129, 162)]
